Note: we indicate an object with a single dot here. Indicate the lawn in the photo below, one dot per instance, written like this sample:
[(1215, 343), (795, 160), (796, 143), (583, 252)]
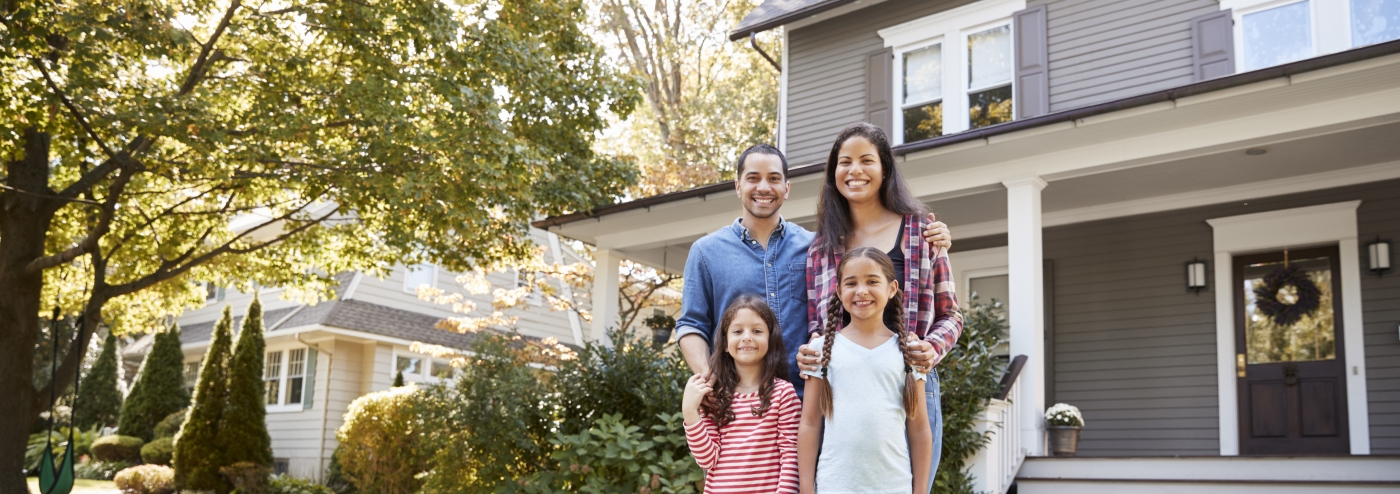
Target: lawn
[(81, 486)]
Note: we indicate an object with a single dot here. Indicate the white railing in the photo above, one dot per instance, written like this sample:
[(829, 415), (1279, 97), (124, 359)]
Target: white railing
[(994, 467)]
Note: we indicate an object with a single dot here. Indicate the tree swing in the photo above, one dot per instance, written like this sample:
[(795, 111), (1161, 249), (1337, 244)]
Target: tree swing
[(60, 480)]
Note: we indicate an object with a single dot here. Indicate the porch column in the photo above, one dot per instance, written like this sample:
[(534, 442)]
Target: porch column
[(605, 293), (1027, 304)]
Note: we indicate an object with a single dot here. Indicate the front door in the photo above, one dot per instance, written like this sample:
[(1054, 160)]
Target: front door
[(1291, 371)]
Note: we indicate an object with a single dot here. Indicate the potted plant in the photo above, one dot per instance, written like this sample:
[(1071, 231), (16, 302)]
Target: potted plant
[(1063, 423), (661, 326)]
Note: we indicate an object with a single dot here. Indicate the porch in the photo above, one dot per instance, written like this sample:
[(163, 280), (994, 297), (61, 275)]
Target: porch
[(1086, 225)]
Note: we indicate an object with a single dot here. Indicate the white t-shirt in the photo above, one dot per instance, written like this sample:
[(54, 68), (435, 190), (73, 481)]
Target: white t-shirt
[(864, 444)]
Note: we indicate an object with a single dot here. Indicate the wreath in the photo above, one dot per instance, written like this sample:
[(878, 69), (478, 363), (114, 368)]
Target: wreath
[(1286, 295)]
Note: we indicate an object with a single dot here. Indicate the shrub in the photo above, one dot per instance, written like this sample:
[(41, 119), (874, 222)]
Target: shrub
[(170, 425), (378, 441), (146, 479), (100, 396), (159, 389), (632, 379), (99, 470), (615, 456), (243, 429), (159, 451), (335, 476), (247, 477), (970, 375), (35, 449), (117, 448), (282, 484), (197, 456)]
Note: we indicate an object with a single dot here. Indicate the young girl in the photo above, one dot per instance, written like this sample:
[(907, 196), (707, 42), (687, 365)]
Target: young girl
[(877, 437), (745, 437)]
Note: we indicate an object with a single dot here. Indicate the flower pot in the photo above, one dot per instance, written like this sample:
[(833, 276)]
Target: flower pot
[(659, 336), (1064, 439)]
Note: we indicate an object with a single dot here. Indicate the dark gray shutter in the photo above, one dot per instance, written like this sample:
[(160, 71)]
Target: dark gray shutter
[(1212, 45), (1032, 89), (879, 89), (309, 382)]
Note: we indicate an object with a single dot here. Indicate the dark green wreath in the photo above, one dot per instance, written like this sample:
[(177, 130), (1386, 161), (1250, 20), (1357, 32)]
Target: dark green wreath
[(1283, 314)]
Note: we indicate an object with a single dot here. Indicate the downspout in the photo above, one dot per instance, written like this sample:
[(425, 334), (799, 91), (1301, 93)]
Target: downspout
[(754, 43), (325, 408)]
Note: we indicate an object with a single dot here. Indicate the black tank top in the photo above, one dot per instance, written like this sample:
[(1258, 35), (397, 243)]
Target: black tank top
[(896, 254)]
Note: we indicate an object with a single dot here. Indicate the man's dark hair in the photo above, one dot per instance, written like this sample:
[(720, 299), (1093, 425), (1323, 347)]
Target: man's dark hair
[(759, 149)]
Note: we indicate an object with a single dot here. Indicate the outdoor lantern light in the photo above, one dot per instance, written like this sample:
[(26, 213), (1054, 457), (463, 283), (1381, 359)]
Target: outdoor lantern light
[(1196, 275), (1380, 256)]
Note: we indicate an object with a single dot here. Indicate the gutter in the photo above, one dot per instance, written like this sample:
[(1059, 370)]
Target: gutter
[(1194, 89), (820, 7)]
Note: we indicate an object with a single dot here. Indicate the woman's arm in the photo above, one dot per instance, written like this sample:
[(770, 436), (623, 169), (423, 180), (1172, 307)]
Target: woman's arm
[(809, 434), (920, 440), (789, 410)]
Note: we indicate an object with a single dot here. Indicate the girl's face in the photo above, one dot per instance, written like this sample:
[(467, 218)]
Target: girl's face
[(747, 338), (858, 170), (864, 288)]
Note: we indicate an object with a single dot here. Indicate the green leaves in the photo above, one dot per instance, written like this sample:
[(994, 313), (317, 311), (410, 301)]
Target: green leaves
[(616, 456)]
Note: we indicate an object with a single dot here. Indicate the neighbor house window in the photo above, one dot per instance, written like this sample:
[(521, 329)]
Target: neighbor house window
[(418, 275), (296, 372), (191, 375), (1277, 35), (442, 369), (1374, 21), (535, 297), (421, 368), (284, 372), (272, 375), (953, 70), (1275, 32), (212, 292)]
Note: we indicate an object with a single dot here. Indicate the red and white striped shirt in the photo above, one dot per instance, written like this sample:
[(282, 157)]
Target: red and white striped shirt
[(751, 454)]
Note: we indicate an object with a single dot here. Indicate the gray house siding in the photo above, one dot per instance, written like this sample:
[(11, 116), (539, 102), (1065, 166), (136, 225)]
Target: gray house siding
[(1102, 51), (1136, 351)]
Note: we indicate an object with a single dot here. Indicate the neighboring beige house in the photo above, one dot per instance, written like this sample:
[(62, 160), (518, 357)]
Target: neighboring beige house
[(322, 357)]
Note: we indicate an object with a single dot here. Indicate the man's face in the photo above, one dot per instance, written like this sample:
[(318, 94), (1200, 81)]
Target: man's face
[(762, 187)]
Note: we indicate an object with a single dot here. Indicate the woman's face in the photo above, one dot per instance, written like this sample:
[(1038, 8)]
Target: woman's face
[(864, 288), (858, 170), (747, 338)]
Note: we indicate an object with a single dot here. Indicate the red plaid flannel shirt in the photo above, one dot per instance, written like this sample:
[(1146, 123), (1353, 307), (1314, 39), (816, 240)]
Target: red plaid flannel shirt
[(932, 313)]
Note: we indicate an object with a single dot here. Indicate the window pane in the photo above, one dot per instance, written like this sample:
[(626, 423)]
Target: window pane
[(296, 362), (989, 107), (191, 374), (273, 367), (989, 57), (923, 74), (1312, 337), (421, 274), (408, 365), (272, 386), (294, 390), (442, 370), (1277, 36), (1374, 21), (923, 122)]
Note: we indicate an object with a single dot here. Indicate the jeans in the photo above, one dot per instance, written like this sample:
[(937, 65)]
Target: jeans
[(932, 390)]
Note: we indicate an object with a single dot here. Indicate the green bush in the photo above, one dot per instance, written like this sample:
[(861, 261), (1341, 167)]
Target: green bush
[(146, 479), (99, 470), (335, 476), (117, 448), (170, 425), (379, 448), (159, 389), (247, 477), (243, 433), (100, 396), (283, 484), (615, 456), (158, 452), (632, 379), (970, 375), (197, 455)]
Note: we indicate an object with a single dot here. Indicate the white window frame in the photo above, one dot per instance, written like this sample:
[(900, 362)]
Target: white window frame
[(950, 28), (535, 298), (184, 371), (408, 272), (1329, 23), (425, 367), (283, 367)]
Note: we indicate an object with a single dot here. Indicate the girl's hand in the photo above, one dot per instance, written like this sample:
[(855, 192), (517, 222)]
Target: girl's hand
[(696, 389)]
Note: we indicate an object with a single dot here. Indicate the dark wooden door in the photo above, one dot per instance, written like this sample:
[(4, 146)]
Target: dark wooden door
[(1291, 379)]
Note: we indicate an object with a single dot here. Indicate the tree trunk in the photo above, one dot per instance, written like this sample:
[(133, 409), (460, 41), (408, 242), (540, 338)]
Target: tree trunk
[(24, 224)]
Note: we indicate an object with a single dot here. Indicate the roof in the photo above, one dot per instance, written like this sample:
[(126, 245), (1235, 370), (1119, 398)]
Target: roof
[(349, 314), (1171, 94), (774, 13)]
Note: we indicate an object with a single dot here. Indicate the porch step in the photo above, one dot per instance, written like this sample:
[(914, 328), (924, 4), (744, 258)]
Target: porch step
[(1200, 475)]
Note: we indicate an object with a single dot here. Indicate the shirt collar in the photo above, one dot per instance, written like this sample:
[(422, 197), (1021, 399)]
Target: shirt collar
[(743, 231)]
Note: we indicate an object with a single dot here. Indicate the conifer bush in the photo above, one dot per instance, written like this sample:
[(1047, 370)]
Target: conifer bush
[(170, 425), (117, 448), (158, 452), (197, 454), (243, 433), (969, 376), (100, 394), (159, 389)]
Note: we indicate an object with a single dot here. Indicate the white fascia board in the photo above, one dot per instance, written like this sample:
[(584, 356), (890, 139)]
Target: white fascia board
[(314, 328), (832, 14)]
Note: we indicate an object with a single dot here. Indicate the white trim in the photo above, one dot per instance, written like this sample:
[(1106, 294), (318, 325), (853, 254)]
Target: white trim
[(782, 97), (354, 285), (1276, 230), (976, 264), (284, 366), (1026, 313), (313, 328), (830, 14), (575, 326)]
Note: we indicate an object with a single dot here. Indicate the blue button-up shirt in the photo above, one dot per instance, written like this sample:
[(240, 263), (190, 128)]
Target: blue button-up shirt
[(729, 263)]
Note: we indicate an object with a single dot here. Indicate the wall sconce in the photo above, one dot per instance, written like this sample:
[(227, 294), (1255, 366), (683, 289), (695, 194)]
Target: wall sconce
[(1196, 275), (1380, 256)]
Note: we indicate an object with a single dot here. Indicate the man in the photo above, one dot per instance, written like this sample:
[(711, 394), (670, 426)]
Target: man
[(761, 254)]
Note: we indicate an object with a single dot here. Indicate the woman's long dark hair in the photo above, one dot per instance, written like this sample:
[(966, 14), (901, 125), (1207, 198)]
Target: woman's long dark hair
[(727, 375), (834, 212)]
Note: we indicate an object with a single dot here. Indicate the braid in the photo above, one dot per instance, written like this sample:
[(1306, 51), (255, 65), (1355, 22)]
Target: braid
[(833, 324), (902, 335)]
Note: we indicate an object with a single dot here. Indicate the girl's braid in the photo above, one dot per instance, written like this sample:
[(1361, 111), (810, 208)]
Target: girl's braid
[(833, 324), (902, 335)]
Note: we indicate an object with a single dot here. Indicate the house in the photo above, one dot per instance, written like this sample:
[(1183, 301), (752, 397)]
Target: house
[(1124, 174), (322, 357)]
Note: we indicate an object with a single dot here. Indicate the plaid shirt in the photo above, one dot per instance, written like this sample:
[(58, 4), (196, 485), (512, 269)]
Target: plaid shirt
[(932, 312)]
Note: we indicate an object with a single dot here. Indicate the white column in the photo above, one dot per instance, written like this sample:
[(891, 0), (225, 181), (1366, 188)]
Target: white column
[(605, 292), (1027, 304)]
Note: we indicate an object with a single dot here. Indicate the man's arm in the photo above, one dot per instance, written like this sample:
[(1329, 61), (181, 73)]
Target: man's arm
[(694, 327), (696, 351)]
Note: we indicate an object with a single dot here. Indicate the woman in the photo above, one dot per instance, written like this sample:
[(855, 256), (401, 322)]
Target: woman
[(866, 203)]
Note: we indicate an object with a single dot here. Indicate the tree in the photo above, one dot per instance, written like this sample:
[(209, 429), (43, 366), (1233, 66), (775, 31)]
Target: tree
[(147, 144), (100, 396), (398, 380), (197, 453), (159, 389), (243, 428)]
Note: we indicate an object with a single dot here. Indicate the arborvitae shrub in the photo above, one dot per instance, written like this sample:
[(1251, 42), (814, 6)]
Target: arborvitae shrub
[(100, 396), (197, 454), (117, 448), (243, 430), (170, 425), (159, 451), (159, 389), (398, 380)]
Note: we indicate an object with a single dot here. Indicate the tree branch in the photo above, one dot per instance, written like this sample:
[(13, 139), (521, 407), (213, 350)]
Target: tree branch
[(91, 242), (201, 63), (72, 108)]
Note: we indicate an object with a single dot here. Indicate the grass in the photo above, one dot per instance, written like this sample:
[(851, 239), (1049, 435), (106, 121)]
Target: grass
[(82, 486)]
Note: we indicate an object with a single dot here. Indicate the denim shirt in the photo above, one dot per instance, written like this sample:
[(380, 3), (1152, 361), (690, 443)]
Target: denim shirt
[(728, 263)]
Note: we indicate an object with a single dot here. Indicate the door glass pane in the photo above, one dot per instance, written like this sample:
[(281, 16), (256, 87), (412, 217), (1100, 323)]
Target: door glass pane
[(989, 57), (1374, 21), (1278, 35), (923, 75), (923, 122), (989, 107), (1312, 337)]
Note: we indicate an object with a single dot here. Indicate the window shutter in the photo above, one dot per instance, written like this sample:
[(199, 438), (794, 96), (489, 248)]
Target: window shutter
[(879, 68), (1032, 89), (309, 382), (1212, 45)]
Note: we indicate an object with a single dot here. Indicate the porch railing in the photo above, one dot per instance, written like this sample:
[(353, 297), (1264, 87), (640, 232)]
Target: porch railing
[(994, 467)]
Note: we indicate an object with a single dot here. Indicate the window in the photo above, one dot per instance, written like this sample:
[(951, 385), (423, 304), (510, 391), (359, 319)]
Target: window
[(213, 292), (191, 375), (418, 275), (296, 372), (1277, 36), (284, 371), (1274, 32), (1374, 21), (535, 297), (409, 366), (272, 374), (421, 368), (442, 370), (953, 70), (281, 466)]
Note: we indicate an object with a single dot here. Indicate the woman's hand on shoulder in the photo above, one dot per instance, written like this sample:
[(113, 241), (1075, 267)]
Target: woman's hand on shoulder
[(920, 354), (936, 233), (809, 356)]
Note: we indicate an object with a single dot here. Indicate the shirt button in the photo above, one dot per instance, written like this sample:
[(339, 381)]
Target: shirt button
[(772, 294)]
